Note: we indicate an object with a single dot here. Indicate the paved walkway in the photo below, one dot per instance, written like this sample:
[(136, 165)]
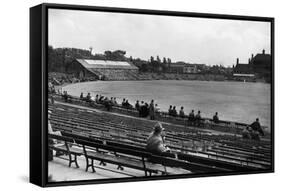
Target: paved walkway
[(59, 171)]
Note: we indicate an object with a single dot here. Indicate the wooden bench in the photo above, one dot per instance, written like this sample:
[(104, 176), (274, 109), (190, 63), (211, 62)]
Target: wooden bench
[(64, 147), (97, 150), (167, 159), (106, 152), (115, 156)]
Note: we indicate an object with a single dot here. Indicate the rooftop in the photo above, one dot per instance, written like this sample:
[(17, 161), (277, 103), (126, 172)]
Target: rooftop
[(87, 63)]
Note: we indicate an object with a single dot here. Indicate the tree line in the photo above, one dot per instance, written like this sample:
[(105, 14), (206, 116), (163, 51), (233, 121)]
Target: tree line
[(60, 58)]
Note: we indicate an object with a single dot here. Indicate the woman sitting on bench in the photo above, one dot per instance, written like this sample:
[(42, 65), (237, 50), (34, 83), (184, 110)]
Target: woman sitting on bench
[(155, 142), (50, 129), (53, 141)]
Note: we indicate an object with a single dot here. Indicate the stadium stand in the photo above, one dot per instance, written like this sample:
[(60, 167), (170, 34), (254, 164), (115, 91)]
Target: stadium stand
[(205, 151), (103, 69)]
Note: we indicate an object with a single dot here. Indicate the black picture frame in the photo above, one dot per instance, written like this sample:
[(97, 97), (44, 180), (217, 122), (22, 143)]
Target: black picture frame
[(39, 92)]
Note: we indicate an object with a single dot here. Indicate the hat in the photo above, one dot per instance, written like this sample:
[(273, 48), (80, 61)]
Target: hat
[(158, 127)]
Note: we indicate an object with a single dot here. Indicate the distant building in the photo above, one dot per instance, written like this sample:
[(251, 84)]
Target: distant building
[(183, 68), (102, 69), (258, 66), (190, 69), (261, 65), (177, 67), (243, 72), (242, 68)]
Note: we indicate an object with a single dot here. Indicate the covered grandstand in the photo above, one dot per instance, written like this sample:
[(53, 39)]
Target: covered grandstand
[(103, 69)]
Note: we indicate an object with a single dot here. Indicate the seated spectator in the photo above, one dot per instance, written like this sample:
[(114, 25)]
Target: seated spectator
[(51, 88), (50, 85), (157, 108), (141, 110), (81, 96), (191, 116), (181, 112), (88, 97), (170, 111), (255, 135), (51, 131), (127, 104), (65, 96), (198, 118), (246, 134), (207, 123), (101, 99), (155, 142), (257, 127), (97, 98), (216, 118), (107, 104), (114, 101), (137, 105), (111, 101), (124, 102), (174, 111), (145, 110), (51, 99), (152, 110)]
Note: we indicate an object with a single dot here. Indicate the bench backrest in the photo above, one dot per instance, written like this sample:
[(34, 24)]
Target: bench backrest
[(214, 162), (90, 142), (61, 138), (166, 159)]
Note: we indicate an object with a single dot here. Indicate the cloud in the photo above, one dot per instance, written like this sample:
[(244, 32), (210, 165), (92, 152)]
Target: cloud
[(200, 40)]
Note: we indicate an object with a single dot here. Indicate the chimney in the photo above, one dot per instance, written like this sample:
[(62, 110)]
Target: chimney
[(263, 51), (237, 61), (252, 56), (249, 61)]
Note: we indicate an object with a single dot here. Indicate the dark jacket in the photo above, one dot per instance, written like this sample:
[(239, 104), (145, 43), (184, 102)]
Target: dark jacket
[(216, 119)]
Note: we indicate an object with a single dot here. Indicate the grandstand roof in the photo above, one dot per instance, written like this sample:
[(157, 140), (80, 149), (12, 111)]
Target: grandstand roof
[(106, 64)]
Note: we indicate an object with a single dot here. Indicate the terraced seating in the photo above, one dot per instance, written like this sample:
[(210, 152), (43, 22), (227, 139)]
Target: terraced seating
[(206, 123), (121, 74), (196, 135), (147, 126), (122, 129)]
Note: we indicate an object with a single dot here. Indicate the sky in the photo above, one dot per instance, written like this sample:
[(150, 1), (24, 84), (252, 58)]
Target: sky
[(193, 40)]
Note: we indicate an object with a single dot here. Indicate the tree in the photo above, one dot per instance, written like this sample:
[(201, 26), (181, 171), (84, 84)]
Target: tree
[(117, 55), (151, 59), (158, 59), (164, 61), (165, 65), (169, 64), (91, 49), (144, 68)]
